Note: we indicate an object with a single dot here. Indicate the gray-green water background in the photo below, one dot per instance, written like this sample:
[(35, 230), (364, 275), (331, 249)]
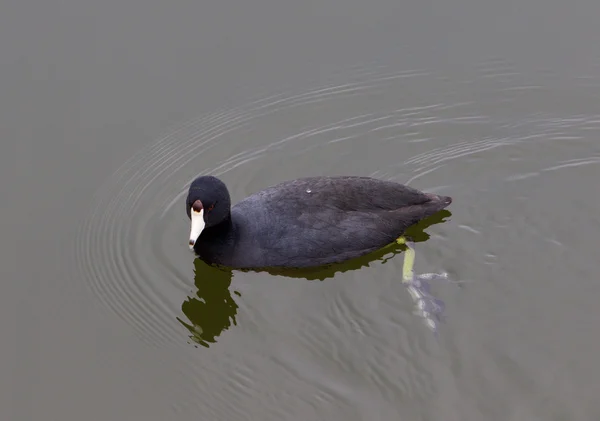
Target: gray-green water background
[(108, 109)]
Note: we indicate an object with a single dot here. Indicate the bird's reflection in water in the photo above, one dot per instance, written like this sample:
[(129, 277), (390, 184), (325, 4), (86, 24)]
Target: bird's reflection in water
[(213, 309)]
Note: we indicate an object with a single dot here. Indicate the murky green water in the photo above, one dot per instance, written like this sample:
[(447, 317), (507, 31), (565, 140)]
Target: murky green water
[(109, 110)]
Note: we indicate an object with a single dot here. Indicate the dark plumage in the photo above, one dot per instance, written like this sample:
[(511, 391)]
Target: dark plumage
[(306, 222)]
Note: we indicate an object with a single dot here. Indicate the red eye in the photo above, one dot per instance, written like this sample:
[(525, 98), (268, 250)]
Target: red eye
[(211, 207)]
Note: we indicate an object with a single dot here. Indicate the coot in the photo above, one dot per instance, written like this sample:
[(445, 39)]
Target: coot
[(305, 222)]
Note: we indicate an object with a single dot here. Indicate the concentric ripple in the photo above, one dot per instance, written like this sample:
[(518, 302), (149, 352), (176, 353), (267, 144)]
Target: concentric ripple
[(132, 252)]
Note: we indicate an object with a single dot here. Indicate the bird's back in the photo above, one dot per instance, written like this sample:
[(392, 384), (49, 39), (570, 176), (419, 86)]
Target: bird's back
[(322, 220)]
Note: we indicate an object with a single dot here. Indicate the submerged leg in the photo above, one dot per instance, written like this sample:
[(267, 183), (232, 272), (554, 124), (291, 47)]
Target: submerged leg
[(427, 306)]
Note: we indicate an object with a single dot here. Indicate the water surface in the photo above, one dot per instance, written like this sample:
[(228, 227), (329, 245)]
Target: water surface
[(109, 110)]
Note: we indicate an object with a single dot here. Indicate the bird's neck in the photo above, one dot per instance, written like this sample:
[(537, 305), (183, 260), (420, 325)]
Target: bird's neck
[(216, 242), (222, 232)]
